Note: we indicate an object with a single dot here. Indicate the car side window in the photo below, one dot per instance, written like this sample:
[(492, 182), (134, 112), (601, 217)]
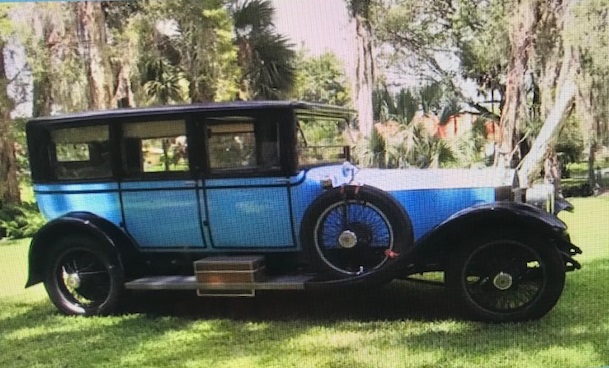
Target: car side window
[(320, 141), (155, 147), (81, 153), (242, 145), (232, 146)]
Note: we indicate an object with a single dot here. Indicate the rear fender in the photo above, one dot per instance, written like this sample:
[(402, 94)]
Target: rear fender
[(84, 223)]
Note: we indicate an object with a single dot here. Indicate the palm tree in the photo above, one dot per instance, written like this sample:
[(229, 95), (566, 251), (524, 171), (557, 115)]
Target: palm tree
[(401, 141), (163, 81), (266, 58)]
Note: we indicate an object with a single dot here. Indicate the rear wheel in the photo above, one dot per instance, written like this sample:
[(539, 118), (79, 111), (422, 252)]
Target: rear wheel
[(83, 277), (354, 230), (506, 278)]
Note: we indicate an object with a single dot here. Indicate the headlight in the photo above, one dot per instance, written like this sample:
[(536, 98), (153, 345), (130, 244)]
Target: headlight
[(541, 196)]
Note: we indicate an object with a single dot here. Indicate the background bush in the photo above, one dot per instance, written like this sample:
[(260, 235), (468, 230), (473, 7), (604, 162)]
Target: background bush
[(20, 221)]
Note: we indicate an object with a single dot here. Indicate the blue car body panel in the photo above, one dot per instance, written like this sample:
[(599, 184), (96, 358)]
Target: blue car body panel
[(102, 199), (248, 213), (262, 213), (433, 206), (163, 214)]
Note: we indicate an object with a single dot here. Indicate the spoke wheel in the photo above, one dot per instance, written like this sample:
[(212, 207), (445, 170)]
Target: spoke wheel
[(352, 237), (353, 231), (83, 277), (507, 279)]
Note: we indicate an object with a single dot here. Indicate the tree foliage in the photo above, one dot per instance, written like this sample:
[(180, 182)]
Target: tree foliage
[(201, 32), (522, 55), (592, 36), (266, 58), (321, 80), (409, 131)]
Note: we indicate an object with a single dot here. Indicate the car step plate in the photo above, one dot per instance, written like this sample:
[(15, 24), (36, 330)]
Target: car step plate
[(285, 282)]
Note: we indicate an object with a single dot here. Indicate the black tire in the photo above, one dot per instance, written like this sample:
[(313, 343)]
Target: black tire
[(372, 226), (83, 276), (506, 278)]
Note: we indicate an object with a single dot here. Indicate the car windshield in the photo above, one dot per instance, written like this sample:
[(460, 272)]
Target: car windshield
[(321, 140)]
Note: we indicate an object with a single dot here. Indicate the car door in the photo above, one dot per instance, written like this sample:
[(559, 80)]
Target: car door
[(159, 191), (245, 197)]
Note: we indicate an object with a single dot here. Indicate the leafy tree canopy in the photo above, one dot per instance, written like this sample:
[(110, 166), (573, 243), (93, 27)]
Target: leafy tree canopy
[(321, 79)]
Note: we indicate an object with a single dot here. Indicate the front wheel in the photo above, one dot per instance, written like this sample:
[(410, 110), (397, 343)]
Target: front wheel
[(83, 277), (506, 278)]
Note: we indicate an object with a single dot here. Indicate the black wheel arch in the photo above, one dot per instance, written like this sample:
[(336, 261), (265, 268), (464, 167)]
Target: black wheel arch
[(84, 223), (438, 243)]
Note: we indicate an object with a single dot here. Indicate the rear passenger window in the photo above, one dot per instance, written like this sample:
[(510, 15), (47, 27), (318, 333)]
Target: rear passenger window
[(242, 144), (155, 147), (81, 153), (232, 146)]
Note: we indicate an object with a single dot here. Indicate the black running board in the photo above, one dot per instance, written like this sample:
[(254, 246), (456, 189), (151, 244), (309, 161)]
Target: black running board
[(190, 283)]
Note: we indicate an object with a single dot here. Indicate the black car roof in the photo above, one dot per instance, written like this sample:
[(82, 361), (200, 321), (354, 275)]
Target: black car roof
[(299, 106)]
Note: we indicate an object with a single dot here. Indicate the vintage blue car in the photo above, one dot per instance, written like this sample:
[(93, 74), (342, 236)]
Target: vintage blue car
[(229, 198)]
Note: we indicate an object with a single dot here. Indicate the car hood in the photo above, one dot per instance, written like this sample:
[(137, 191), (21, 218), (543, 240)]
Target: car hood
[(416, 179)]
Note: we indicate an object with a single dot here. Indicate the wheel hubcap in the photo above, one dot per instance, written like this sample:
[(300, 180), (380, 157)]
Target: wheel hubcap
[(72, 280), (347, 239), (503, 281)]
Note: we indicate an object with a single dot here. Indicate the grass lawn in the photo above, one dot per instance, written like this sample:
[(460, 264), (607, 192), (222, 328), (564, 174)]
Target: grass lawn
[(402, 325)]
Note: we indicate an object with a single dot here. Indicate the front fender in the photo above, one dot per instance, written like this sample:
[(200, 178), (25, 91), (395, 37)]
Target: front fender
[(76, 222), (519, 212), (499, 215)]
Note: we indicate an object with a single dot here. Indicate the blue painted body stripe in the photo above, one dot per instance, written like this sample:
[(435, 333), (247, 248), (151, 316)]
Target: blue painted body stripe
[(97, 191)]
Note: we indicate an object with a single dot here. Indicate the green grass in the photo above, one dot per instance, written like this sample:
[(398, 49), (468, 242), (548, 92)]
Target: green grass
[(581, 168), (402, 325)]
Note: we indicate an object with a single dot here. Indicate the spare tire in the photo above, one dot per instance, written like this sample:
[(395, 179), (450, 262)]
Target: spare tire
[(354, 230)]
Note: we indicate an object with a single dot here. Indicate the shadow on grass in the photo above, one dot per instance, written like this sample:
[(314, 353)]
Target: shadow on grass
[(396, 301), (405, 322)]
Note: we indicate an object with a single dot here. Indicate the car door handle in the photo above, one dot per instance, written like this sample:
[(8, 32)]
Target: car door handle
[(190, 184), (282, 181)]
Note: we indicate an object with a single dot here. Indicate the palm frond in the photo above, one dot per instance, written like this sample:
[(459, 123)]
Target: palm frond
[(272, 72), (407, 105), (431, 97), (164, 81), (253, 16)]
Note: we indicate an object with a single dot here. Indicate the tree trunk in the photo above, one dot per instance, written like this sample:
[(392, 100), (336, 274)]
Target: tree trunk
[(123, 93), (591, 161), (42, 103), (42, 87), (584, 102), (201, 91), (92, 39), (514, 110), (567, 91), (9, 183), (244, 59), (364, 72)]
